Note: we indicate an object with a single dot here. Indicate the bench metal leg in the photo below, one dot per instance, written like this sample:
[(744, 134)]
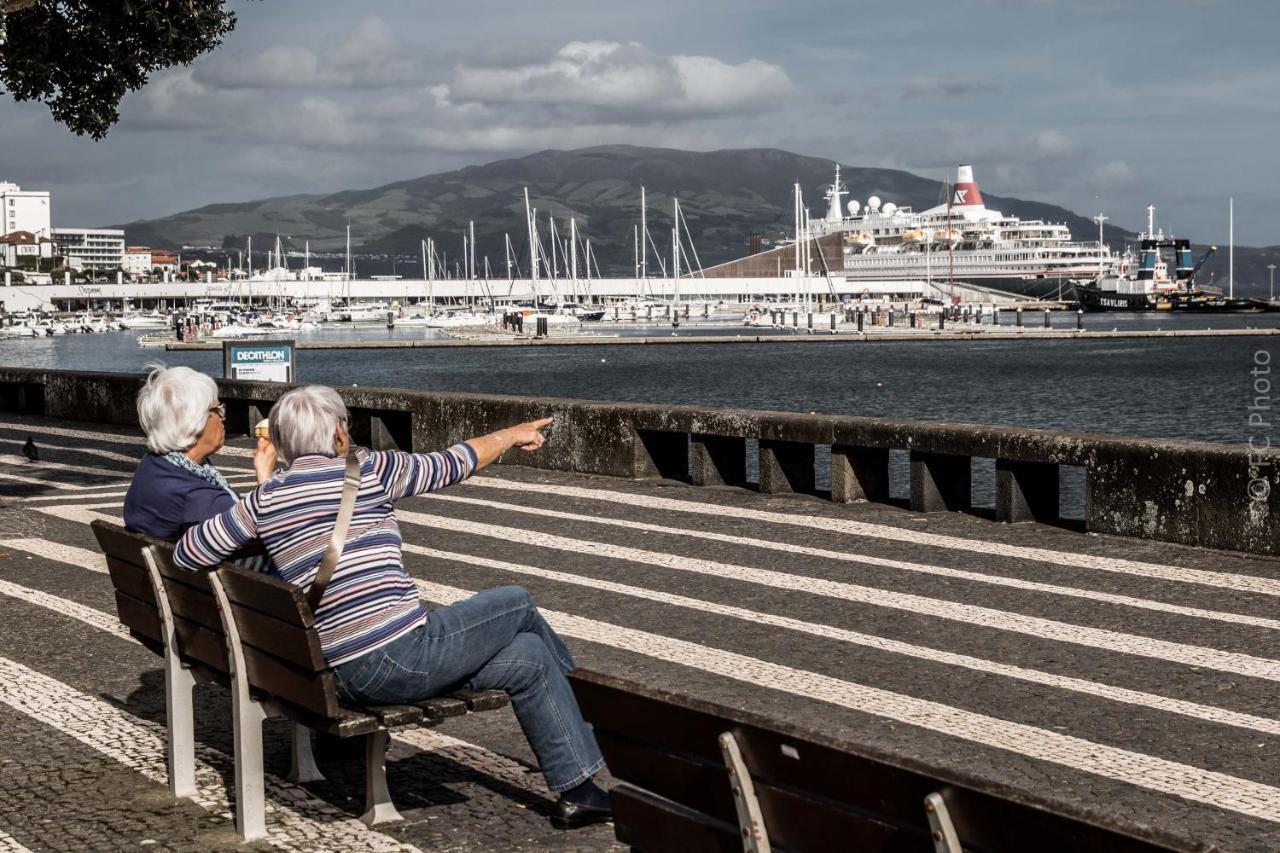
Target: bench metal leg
[(945, 839), (303, 767), (378, 807), (179, 684), (247, 717), (755, 838)]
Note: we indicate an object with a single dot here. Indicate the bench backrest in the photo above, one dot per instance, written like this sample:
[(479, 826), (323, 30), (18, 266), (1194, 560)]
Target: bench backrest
[(813, 795), (277, 631)]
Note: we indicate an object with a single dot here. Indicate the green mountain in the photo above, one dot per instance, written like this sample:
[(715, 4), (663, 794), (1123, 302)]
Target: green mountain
[(725, 196)]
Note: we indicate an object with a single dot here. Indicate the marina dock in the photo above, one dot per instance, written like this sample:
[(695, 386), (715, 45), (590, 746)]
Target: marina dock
[(986, 333), (1131, 679)]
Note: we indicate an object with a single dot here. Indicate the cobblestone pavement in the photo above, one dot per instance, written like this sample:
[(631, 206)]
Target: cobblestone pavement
[(1137, 679)]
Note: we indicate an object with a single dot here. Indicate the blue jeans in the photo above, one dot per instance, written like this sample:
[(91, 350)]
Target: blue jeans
[(496, 639)]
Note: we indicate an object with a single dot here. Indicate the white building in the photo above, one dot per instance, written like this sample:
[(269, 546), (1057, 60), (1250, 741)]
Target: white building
[(98, 249), (137, 261), (22, 210)]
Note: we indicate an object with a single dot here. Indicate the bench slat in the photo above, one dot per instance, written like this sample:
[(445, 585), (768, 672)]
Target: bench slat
[(391, 716), (117, 542), (291, 644), (268, 595), (646, 822), (441, 707), (483, 700), (140, 617), (131, 580)]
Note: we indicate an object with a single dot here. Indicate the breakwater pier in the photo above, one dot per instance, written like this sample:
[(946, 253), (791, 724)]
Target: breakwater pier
[(1122, 663)]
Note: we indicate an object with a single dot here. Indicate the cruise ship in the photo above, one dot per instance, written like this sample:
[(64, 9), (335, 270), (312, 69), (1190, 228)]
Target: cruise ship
[(960, 240)]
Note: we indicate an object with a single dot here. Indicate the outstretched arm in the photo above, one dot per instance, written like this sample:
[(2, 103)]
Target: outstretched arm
[(408, 474)]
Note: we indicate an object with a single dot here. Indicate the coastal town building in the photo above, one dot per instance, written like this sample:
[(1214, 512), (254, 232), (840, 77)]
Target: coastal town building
[(24, 250), (95, 249), (137, 262), (23, 210)]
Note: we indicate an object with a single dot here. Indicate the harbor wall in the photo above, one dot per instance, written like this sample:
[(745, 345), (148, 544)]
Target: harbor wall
[(1194, 493)]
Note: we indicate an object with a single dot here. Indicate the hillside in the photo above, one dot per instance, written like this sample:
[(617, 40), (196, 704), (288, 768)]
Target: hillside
[(725, 195)]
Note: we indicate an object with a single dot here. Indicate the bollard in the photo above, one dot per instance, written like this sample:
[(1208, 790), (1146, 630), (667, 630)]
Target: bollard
[(833, 321), (1079, 319), (810, 315), (8, 279), (542, 327), (911, 320), (391, 319), (890, 318), (650, 312), (995, 316), (942, 319), (1019, 318), (860, 316), (1046, 318)]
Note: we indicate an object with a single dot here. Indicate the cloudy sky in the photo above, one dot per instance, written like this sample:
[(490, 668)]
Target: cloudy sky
[(1098, 105)]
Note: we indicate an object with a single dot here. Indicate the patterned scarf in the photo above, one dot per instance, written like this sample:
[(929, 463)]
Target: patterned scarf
[(203, 470)]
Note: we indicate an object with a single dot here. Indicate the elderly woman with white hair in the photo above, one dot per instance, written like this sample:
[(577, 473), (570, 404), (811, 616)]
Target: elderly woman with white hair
[(383, 645), (175, 485)]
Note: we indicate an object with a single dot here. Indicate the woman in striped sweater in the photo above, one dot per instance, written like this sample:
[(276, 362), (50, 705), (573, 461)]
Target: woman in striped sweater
[(383, 645)]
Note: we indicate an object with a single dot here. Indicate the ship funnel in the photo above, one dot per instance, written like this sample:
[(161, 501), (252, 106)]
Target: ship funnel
[(965, 193)]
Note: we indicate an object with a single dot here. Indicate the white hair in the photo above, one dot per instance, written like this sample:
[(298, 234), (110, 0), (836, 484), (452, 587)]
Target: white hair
[(304, 421), (173, 407)]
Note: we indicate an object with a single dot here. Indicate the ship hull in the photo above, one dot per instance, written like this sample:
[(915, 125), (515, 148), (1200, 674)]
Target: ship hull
[(1093, 298)]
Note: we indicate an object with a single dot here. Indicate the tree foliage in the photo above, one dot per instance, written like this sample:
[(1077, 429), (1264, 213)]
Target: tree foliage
[(80, 57)]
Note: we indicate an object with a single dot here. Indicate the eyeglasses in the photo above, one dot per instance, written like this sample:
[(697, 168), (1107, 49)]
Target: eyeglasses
[(220, 410)]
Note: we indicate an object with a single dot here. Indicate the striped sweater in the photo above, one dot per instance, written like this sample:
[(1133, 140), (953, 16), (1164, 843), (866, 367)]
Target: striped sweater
[(370, 600)]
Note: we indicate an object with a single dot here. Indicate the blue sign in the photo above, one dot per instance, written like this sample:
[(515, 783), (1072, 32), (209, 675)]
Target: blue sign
[(241, 355)]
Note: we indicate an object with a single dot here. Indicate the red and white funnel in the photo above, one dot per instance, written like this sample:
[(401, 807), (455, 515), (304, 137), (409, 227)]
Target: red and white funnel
[(965, 193)]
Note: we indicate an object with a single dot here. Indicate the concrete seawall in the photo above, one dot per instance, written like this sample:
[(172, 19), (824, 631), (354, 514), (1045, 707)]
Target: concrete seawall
[(817, 337), (1213, 495)]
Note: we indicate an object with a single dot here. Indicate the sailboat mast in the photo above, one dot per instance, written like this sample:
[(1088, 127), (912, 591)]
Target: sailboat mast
[(533, 248), (644, 237), (1231, 247), (573, 251)]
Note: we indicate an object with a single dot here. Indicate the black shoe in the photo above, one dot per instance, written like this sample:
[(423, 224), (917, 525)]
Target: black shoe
[(571, 815)]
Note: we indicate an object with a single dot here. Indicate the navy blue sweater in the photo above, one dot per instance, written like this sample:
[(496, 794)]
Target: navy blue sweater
[(164, 500)]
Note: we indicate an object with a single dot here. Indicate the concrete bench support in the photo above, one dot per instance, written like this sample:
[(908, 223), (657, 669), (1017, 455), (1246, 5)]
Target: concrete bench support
[(786, 466), (382, 430), (939, 482), (859, 473), (1026, 491), (662, 454), (718, 460)]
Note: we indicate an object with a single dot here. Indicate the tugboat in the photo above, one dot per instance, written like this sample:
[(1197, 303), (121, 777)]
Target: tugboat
[(1144, 283)]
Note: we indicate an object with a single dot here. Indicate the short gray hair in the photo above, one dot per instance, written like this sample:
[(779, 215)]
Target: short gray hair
[(303, 422), (173, 407)]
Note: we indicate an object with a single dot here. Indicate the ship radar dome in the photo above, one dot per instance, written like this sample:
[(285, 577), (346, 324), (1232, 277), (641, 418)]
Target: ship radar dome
[(853, 206), (890, 208), (873, 203)]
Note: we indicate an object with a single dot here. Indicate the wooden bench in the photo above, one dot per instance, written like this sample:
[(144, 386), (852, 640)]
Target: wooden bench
[(254, 634), (704, 778)]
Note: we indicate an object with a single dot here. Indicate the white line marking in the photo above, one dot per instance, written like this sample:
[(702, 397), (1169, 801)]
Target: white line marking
[(92, 451), (72, 512), (10, 459), (37, 428), (88, 615), (1208, 713), (93, 561), (297, 820), (1219, 790), (971, 614), (867, 559), (1227, 580), (9, 844), (53, 484)]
